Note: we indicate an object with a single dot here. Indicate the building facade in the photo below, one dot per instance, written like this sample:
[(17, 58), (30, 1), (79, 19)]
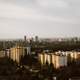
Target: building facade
[(15, 53), (55, 59)]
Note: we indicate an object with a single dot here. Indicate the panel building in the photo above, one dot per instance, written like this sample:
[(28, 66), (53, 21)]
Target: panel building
[(55, 59), (15, 53)]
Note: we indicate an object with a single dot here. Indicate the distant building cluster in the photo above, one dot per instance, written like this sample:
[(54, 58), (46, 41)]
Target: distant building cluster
[(58, 59), (73, 39)]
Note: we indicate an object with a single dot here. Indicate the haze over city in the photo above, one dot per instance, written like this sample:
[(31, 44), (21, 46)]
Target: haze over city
[(45, 18)]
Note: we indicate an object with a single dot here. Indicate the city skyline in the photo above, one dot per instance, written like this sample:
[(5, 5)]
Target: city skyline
[(45, 18)]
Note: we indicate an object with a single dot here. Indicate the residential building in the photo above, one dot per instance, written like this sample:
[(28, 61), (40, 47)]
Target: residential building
[(55, 59), (16, 53), (19, 51)]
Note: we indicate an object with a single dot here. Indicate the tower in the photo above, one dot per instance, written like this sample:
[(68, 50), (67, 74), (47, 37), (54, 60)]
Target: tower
[(25, 38), (36, 38)]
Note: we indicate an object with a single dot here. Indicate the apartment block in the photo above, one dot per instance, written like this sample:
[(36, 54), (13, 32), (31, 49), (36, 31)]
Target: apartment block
[(55, 59)]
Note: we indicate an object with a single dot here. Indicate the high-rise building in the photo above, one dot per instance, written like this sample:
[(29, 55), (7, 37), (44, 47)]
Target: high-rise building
[(25, 38), (73, 55), (16, 53), (28, 50), (61, 61), (36, 38), (41, 59), (56, 60)]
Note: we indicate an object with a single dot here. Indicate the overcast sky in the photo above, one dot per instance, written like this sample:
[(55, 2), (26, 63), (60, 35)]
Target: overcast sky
[(45, 18)]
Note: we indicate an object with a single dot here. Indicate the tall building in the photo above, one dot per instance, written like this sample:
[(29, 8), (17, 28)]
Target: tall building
[(53, 60), (41, 59), (44, 58), (16, 53), (36, 39), (49, 59), (60, 61), (73, 55), (31, 40), (56, 60), (25, 38), (28, 48)]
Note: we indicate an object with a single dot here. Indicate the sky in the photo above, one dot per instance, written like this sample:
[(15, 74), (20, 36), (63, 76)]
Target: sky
[(45, 18)]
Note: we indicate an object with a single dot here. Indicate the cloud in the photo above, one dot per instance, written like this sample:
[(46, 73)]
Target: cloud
[(18, 17), (10, 10), (52, 3), (38, 8)]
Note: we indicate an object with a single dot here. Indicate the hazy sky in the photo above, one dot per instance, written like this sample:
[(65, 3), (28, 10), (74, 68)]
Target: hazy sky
[(45, 18)]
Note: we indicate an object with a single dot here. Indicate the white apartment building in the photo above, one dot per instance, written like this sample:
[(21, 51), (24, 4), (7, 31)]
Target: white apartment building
[(18, 51), (60, 61), (56, 60), (41, 59), (72, 54)]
